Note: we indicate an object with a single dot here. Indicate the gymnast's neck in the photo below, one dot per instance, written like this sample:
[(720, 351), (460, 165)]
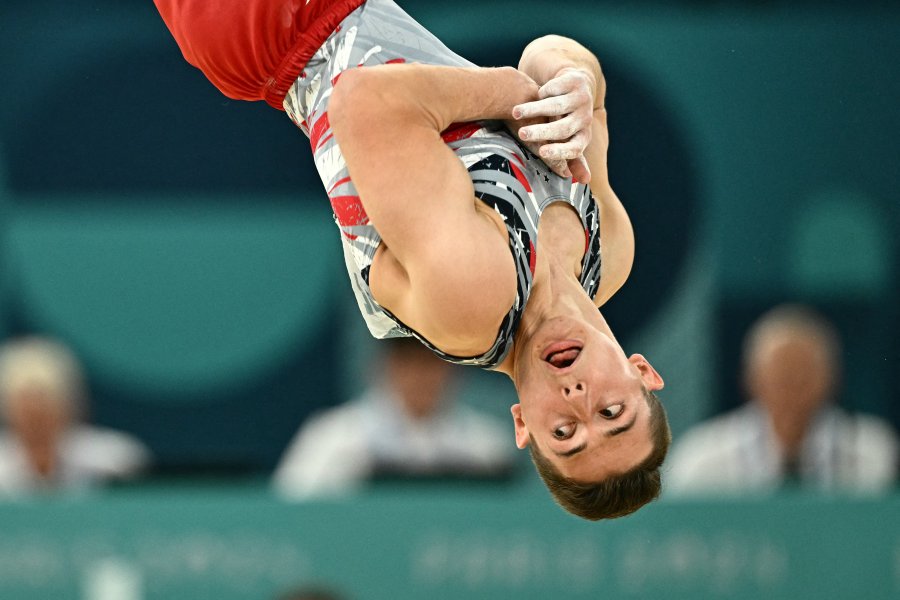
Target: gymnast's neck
[(556, 291)]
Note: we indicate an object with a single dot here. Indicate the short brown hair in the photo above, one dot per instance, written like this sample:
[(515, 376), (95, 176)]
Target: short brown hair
[(618, 495)]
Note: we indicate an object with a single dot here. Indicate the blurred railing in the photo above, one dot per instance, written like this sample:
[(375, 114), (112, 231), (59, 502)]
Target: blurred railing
[(443, 544)]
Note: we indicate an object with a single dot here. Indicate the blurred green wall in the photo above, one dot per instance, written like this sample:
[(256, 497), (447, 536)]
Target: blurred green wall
[(180, 241)]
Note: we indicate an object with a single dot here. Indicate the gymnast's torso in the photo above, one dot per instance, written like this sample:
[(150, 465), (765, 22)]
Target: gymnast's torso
[(506, 177)]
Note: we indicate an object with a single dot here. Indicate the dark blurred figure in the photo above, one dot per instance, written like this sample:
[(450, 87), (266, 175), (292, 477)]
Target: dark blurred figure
[(311, 593), (791, 431), (408, 424), (45, 445)]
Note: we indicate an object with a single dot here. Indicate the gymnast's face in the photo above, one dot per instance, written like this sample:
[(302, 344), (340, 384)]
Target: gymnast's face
[(581, 400)]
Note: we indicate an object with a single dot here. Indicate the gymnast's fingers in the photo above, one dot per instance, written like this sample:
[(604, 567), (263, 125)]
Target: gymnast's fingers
[(567, 150), (572, 83), (580, 170), (561, 129), (548, 107), (560, 167)]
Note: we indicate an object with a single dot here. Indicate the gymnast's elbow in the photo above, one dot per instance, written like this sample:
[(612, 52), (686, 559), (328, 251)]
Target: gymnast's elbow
[(349, 104), (361, 104)]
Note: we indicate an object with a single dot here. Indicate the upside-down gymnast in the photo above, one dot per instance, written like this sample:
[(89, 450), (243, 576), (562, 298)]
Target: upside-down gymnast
[(471, 204)]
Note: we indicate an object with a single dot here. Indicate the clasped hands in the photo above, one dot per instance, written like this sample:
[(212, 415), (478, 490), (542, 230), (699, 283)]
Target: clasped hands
[(557, 126)]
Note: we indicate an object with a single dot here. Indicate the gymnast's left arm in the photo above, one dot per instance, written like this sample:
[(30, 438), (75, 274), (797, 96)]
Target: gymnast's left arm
[(575, 135)]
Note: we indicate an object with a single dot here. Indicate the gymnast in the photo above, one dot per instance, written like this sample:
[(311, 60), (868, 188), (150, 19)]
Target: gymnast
[(471, 204)]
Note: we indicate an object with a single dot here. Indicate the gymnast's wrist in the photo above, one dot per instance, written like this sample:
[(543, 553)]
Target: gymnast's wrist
[(512, 87)]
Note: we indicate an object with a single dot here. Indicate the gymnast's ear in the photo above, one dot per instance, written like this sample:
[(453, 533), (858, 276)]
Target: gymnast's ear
[(519, 424), (653, 381)]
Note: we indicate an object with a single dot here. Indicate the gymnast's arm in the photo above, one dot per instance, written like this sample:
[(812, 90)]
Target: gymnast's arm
[(572, 91), (446, 269)]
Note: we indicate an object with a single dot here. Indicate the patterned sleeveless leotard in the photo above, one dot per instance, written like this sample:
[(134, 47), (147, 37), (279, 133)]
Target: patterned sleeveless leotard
[(506, 176)]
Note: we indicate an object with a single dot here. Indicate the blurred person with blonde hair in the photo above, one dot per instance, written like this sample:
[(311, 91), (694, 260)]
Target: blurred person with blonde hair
[(45, 445), (792, 431)]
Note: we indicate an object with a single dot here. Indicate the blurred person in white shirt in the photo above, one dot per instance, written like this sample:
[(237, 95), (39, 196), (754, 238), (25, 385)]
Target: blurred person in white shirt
[(45, 445), (791, 432), (408, 424)]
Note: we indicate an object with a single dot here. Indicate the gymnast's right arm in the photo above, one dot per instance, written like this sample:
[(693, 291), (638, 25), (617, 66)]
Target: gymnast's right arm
[(442, 249)]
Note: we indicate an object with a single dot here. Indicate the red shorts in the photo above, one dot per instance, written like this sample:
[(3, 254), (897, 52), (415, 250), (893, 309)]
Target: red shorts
[(252, 49)]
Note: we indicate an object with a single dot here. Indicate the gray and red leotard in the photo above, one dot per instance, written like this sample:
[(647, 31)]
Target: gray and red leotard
[(294, 65)]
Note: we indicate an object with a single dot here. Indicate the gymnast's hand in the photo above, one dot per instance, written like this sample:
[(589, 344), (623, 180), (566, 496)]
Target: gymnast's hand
[(557, 126)]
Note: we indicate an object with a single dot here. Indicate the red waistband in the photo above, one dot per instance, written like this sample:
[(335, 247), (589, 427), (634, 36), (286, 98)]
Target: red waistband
[(307, 44)]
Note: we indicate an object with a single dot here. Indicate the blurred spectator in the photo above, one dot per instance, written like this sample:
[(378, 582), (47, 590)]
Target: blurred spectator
[(45, 444), (406, 424), (791, 431)]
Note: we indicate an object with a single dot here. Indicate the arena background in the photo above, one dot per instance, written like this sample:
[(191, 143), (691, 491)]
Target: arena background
[(181, 244)]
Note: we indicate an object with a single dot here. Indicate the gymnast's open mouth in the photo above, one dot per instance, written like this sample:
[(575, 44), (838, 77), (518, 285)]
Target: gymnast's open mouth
[(562, 355)]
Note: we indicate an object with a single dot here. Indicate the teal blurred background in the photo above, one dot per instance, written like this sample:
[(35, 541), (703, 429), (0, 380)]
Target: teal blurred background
[(180, 243)]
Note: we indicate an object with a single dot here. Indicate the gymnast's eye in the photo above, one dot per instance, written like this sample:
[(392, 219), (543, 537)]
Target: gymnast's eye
[(611, 412), (564, 432)]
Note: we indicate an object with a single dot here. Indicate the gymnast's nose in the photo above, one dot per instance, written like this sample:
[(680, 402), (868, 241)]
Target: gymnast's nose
[(574, 390), (575, 394)]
